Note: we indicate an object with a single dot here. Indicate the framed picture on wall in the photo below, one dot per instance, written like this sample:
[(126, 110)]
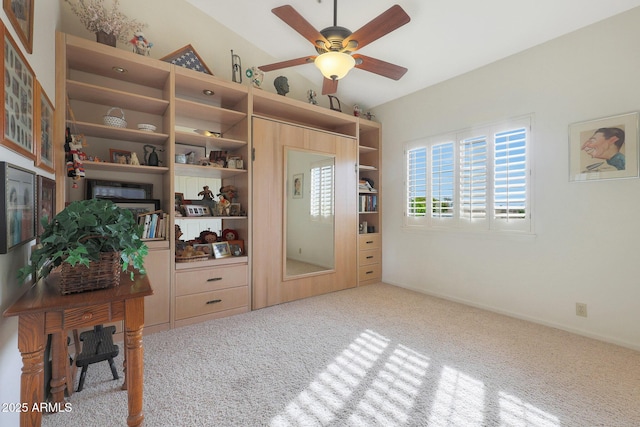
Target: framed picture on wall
[(17, 206), (46, 197), (604, 148), (18, 91), (43, 130), (298, 185), (20, 13)]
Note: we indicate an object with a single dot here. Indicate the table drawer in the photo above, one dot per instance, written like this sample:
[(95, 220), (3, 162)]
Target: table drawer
[(369, 241), (211, 279), (370, 272), (85, 316), (211, 302), (372, 256)]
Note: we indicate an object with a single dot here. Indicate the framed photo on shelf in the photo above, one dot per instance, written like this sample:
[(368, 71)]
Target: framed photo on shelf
[(204, 247), (46, 197), (17, 206), (221, 250), (20, 13), (43, 130), (196, 210), (187, 57), (137, 207), (19, 87), (122, 157), (236, 247), (235, 209), (604, 148)]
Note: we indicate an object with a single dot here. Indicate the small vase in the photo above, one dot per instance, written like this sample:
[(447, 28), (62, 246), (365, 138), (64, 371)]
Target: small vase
[(104, 38)]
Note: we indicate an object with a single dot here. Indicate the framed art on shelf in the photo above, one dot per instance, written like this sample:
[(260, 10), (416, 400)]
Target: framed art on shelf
[(46, 197), (18, 91), (221, 250), (604, 148), (122, 157), (187, 57), (17, 206), (20, 13), (44, 130)]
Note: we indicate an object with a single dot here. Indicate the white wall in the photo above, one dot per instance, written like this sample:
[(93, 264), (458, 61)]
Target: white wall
[(42, 61), (585, 248)]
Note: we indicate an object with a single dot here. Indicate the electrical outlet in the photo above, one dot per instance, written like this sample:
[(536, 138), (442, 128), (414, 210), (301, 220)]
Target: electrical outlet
[(581, 309)]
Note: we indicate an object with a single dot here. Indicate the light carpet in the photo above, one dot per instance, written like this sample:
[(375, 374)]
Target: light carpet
[(373, 356)]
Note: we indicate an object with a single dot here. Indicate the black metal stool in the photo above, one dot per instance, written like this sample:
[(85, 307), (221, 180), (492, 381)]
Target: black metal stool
[(97, 346)]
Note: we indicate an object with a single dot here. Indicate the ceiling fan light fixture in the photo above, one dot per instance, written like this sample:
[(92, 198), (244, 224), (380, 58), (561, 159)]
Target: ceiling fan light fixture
[(334, 65)]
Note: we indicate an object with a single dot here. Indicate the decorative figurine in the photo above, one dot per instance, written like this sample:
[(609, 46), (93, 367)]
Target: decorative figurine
[(311, 97), (141, 45), (236, 68), (206, 193), (229, 192), (282, 85), (256, 75), (134, 159), (356, 110)]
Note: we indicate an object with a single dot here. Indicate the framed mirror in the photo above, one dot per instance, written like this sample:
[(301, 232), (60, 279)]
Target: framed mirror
[(309, 194)]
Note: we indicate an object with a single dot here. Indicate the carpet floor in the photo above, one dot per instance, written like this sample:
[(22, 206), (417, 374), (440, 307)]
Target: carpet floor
[(373, 356)]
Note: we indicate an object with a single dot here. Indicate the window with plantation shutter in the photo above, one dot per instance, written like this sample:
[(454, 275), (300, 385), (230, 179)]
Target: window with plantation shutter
[(471, 180), (417, 182), (322, 175)]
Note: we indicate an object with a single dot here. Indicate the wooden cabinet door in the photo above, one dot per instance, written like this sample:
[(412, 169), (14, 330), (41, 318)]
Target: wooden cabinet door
[(156, 306)]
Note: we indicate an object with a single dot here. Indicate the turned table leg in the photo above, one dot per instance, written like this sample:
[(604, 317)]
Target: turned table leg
[(59, 369), (31, 343), (134, 323)]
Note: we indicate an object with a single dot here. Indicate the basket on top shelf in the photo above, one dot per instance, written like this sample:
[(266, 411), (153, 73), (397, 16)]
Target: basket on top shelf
[(91, 241), (114, 121)]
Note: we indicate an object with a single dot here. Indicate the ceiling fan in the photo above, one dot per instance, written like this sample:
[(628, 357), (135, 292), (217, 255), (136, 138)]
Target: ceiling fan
[(335, 44)]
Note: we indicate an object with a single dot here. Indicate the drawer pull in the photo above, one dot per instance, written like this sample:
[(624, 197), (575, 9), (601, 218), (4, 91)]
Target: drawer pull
[(369, 242), (87, 316), (214, 279), (214, 301), (369, 272), (370, 256)]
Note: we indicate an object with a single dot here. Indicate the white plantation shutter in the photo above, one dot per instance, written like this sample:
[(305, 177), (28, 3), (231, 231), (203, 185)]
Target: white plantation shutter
[(479, 183), (510, 175), (322, 175), (473, 178), (416, 182), (442, 180)]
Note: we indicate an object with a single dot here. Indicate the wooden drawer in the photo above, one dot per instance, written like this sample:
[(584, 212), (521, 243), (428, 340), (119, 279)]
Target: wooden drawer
[(210, 279), (370, 272), (85, 316), (371, 256), (211, 302), (369, 241)]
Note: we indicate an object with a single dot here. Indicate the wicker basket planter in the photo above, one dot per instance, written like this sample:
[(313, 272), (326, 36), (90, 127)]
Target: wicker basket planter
[(114, 121), (99, 275)]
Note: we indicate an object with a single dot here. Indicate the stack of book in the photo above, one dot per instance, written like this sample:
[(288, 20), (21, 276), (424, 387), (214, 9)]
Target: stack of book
[(155, 224), (365, 186)]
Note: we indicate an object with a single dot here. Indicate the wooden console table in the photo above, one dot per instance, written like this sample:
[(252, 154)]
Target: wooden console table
[(42, 310)]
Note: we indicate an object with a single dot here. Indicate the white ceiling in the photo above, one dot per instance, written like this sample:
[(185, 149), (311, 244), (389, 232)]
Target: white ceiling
[(445, 38)]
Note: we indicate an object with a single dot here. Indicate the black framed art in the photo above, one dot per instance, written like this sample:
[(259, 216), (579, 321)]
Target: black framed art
[(17, 206)]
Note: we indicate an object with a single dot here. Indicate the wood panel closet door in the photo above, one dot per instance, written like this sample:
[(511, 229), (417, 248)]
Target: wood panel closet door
[(270, 138)]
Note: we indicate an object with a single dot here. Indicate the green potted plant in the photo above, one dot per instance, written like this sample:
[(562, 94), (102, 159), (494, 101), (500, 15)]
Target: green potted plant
[(92, 240)]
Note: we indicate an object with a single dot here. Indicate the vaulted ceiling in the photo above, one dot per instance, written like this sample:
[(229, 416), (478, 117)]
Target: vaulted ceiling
[(445, 38)]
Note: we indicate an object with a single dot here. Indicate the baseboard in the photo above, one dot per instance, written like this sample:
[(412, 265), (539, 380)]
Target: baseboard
[(515, 315)]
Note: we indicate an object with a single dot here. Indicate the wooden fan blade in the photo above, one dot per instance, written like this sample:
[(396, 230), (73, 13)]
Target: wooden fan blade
[(388, 21), (289, 63), (379, 67), (296, 21), (329, 86)]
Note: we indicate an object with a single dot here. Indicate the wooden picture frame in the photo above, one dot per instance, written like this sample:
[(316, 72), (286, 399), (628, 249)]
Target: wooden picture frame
[(20, 14), (221, 250), (187, 57), (18, 94), (46, 197), (236, 247), (43, 131), (591, 144), (204, 247), (17, 206), (116, 156), (196, 210)]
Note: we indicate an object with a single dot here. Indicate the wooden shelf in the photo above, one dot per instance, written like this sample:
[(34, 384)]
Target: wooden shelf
[(206, 171), (212, 262), (367, 168), (106, 96), (190, 85), (192, 138), (363, 149), (198, 111), (117, 167), (125, 134), (199, 218)]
